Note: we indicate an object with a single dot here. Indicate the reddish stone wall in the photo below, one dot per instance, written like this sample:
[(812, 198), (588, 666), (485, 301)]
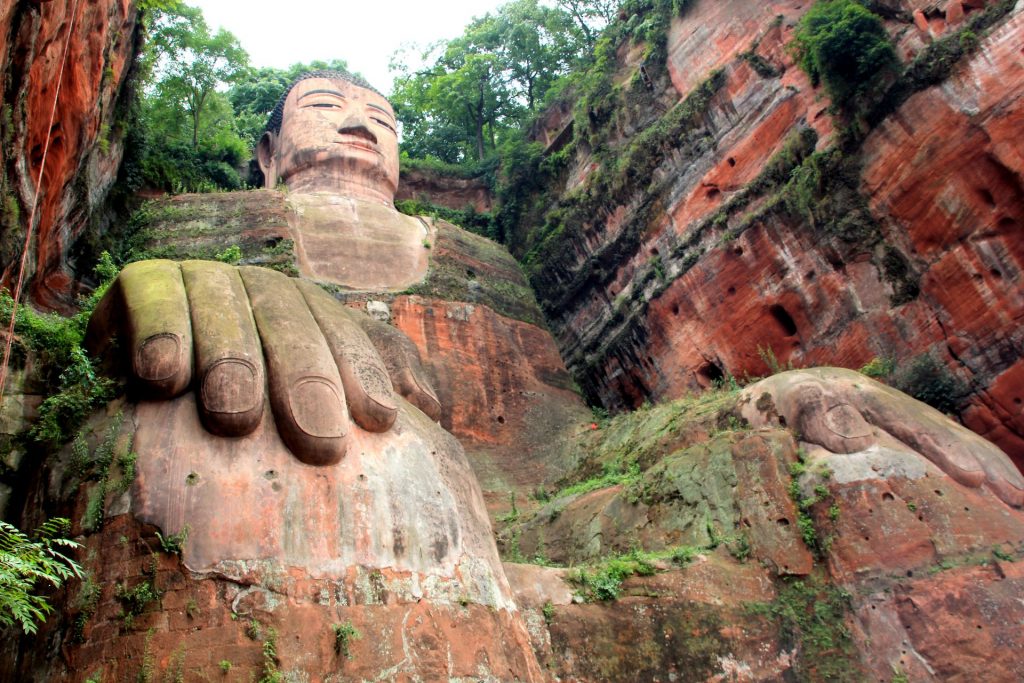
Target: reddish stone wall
[(941, 176), (453, 193), (86, 138)]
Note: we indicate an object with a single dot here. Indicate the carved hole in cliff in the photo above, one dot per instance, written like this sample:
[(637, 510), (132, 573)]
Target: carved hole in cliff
[(920, 518), (986, 196), (782, 420), (967, 509), (675, 309), (271, 243), (655, 252), (888, 496), (1016, 401), (811, 275), (867, 538), (501, 419), (784, 319), (909, 573), (996, 273), (738, 250), (470, 274), (732, 162), (731, 290), (709, 374), (712, 193), (782, 522), (938, 492)]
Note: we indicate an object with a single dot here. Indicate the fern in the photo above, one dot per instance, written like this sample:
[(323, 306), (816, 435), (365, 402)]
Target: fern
[(24, 562)]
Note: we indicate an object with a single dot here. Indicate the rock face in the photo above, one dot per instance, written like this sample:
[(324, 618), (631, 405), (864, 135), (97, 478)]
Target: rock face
[(700, 269), (825, 550), (453, 193), (86, 139)]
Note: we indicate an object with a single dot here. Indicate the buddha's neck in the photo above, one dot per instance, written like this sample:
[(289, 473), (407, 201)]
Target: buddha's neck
[(318, 182)]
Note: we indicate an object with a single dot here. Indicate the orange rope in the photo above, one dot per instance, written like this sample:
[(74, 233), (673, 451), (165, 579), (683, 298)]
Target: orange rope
[(35, 204)]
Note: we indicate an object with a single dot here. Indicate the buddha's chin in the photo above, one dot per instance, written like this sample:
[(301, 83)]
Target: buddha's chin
[(372, 184)]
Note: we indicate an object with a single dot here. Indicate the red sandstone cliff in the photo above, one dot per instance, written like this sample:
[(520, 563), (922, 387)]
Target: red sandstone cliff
[(926, 259), (87, 134)]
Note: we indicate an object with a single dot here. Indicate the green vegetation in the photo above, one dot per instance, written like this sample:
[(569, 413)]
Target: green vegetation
[(930, 381), (878, 368), (812, 615), (479, 88), (172, 544), (468, 218), (25, 563), (134, 601), (96, 468), (271, 674), (344, 634), (937, 61), (68, 373), (225, 665), (604, 581), (232, 255), (614, 473), (844, 45)]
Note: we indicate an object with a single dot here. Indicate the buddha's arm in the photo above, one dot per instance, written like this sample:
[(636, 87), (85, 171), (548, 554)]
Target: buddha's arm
[(235, 333)]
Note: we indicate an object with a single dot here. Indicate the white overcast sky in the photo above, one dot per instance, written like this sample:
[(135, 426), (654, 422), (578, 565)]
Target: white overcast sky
[(363, 33)]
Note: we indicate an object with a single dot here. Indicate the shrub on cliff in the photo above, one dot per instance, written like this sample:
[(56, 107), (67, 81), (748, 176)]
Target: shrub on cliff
[(843, 44)]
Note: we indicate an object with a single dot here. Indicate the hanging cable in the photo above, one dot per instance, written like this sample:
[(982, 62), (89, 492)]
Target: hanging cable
[(35, 203)]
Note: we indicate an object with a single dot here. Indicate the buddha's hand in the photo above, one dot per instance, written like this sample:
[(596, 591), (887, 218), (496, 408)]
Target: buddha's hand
[(845, 412), (231, 328)]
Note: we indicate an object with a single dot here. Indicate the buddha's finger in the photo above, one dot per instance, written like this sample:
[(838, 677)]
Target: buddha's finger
[(1004, 479), (402, 360), (365, 378), (228, 360), (306, 393), (158, 326)]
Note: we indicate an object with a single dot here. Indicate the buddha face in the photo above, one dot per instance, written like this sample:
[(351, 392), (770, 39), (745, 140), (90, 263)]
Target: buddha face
[(335, 137)]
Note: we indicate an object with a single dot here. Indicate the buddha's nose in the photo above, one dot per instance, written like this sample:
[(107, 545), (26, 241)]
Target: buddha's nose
[(357, 125)]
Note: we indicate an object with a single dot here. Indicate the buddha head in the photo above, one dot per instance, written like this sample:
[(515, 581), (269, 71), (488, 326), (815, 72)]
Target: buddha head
[(332, 132)]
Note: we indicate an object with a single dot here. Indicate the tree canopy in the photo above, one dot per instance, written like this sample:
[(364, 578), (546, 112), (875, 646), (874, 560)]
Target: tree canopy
[(484, 83)]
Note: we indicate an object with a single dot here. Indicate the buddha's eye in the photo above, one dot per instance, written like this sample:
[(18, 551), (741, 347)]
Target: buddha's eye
[(326, 105), (385, 124)]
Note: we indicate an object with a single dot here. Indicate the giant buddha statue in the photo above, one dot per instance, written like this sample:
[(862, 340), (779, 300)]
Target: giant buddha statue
[(296, 440)]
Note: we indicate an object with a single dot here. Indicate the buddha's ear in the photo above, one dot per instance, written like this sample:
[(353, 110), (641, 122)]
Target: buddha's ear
[(267, 159)]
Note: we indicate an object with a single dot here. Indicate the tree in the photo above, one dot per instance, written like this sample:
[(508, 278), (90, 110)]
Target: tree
[(485, 83), (191, 63), (591, 16), (844, 45), (25, 562), (187, 136)]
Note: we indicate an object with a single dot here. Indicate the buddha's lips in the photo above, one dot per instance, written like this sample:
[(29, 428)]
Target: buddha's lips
[(356, 141)]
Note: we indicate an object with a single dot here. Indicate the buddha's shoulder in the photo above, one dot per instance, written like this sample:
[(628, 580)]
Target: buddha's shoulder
[(468, 267), (206, 225)]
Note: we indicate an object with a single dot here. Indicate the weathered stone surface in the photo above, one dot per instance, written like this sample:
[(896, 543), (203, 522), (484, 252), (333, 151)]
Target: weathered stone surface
[(691, 625), (453, 193), (86, 140), (503, 389)]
